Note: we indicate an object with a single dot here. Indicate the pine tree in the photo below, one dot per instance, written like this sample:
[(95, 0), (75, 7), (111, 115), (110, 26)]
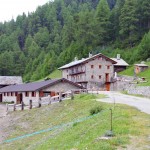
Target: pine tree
[(128, 23), (103, 23)]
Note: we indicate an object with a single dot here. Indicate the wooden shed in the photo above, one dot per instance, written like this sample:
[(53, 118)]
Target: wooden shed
[(140, 68)]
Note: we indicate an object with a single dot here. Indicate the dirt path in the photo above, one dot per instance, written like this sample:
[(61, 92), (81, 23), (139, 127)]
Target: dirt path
[(143, 104)]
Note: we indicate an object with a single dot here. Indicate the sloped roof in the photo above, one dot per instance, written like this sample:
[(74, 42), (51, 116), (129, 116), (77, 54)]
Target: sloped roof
[(34, 86), (120, 62), (10, 80), (77, 62), (141, 65)]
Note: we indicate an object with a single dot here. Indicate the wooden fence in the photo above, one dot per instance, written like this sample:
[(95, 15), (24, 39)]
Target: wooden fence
[(44, 101)]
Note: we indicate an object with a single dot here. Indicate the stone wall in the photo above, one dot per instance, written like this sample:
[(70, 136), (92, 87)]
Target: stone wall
[(141, 90), (131, 88)]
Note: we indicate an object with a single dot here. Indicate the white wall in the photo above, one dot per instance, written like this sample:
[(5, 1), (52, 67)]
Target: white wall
[(25, 99)]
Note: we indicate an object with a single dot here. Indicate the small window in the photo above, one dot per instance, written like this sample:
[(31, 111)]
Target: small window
[(100, 66), (33, 94), (27, 94), (108, 67), (11, 93), (16, 93), (92, 66), (100, 76), (7, 93), (92, 77)]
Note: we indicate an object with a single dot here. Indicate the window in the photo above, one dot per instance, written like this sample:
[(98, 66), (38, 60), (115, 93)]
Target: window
[(33, 94), (92, 77), (92, 66), (108, 67), (100, 66), (67, 76), (27, 94), (4, 94), (16, 93), (11, 93), (100, 76), (7, 93)]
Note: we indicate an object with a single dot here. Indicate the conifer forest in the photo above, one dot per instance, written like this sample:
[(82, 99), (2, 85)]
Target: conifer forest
[(36, 44)]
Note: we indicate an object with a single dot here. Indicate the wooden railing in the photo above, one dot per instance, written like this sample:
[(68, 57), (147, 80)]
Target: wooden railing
[(44, 101)]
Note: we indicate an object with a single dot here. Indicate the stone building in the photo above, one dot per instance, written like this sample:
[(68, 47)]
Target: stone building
[(140, 68), (33, 91), (10, 80), (120, 65), (94, 72)]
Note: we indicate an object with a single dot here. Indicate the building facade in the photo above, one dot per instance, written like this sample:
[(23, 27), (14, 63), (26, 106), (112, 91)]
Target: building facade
[(35, 90), (94, 72)]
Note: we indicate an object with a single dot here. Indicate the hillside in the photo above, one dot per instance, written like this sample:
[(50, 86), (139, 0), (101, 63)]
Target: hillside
[(36, 44), (145, 74), (72, 126)]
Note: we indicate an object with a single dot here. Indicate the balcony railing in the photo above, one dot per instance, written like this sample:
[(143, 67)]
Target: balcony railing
[(76, 72), (79, 80)]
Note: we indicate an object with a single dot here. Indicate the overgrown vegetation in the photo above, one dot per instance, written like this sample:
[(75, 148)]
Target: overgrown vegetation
[(35, 45), (96, 110), (81, 135)]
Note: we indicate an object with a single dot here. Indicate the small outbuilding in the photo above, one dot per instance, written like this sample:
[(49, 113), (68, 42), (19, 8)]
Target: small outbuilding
[(35, 90), (120, 65), (140, 67)]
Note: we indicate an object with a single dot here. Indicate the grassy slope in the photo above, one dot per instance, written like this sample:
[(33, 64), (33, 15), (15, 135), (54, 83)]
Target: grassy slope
[(55, 74), (127, 123), (146, 74)]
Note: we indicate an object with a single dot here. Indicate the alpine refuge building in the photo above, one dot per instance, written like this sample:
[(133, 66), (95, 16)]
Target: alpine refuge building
[(35, 90), (10, 80), (94, 72)]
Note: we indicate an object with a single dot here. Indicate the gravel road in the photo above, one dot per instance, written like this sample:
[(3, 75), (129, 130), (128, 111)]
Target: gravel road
[(143, 104)]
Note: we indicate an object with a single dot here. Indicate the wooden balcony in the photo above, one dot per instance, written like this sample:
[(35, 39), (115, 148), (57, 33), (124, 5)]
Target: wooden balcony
[(76, 72)]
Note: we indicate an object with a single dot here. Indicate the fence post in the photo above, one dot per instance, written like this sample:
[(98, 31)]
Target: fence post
[(7, 108), (60, 97), (22, 105), (30, 104), (14, 107), (39, 102), (49, 100), (72, 95)]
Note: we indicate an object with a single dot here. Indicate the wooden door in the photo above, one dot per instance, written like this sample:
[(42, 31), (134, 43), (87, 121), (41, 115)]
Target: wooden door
[(107, 85), (52, 93), (19, 98), (107, 77), (1, 97)]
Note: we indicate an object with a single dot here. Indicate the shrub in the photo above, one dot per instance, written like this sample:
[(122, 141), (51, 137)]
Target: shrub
[(96, 110)]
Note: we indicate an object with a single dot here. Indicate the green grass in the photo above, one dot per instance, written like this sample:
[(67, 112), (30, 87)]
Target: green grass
[(127, 122), (55, 74), (129, 71)]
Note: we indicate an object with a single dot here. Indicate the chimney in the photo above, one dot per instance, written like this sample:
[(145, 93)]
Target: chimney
[(118, 56), (76, 59), (90, 55)]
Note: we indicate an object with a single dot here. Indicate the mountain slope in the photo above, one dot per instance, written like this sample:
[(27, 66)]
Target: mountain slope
[(35, 45)]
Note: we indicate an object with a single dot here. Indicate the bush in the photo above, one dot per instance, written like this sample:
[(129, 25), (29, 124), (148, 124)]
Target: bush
[(96, 110)]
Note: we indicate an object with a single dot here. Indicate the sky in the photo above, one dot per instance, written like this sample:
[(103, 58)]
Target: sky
[(12, 8)]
